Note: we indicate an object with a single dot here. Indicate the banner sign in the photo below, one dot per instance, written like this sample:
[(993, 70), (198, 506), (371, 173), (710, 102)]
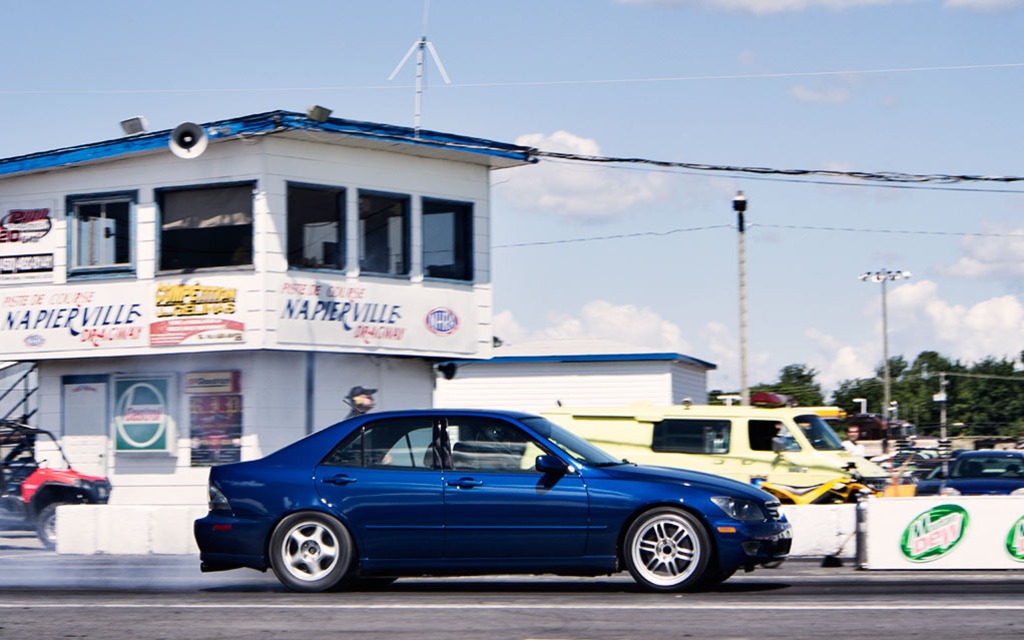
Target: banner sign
[(378, 316), (143, 413), (26, 243), (950, 532)]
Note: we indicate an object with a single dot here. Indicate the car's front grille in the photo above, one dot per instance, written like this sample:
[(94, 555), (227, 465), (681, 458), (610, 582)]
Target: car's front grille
[(773, 510)]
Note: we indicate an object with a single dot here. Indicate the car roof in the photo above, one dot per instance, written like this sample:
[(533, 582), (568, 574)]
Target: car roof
[(992, 453)]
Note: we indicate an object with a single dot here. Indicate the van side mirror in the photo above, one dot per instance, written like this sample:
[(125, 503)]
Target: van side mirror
[(548, 464), (778, 444)]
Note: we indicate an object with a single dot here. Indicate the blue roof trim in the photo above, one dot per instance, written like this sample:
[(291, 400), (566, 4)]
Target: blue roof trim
[(263, 124), (601, 357)]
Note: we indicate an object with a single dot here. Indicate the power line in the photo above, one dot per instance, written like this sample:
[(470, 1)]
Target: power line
[(526, 83), (641, 234)]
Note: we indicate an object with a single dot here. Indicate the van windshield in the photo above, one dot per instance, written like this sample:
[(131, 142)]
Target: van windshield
[(819, 434)]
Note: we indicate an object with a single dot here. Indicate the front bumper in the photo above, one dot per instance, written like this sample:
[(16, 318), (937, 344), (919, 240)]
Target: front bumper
[(750, 544)]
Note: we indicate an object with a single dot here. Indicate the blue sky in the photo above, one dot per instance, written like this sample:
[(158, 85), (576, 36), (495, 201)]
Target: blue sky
[(634, 255)]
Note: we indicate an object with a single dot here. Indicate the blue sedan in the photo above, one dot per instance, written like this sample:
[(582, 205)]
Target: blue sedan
[(461, 492), (988, 472)]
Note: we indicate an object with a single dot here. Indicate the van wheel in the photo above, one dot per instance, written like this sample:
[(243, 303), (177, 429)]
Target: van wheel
[(46, 525), (667, 549), (311, 552)]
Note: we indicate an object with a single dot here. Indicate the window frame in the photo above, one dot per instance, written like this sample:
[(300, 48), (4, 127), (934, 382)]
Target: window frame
[(461, 237), (341, 194), (406, 229), (71, 204), (159, 196)]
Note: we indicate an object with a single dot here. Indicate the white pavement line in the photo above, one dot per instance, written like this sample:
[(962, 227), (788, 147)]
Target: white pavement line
[(442, 606)]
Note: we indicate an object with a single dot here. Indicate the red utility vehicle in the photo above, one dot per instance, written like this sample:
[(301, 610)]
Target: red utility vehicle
[(36, 478)]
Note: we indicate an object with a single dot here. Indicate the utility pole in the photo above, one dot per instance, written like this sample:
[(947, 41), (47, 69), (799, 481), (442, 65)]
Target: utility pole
[(739, 205)]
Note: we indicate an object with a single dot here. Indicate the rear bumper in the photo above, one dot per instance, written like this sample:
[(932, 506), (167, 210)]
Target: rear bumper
[(227, 542)]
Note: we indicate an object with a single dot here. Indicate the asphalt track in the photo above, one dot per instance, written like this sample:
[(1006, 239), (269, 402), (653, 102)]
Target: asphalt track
[(46, 595)]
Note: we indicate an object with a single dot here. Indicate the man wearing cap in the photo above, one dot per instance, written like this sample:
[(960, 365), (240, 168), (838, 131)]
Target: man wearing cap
[(360, 399)]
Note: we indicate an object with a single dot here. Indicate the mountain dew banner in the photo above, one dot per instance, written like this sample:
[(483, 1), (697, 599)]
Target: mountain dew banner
[(143, 413), (964, 532)]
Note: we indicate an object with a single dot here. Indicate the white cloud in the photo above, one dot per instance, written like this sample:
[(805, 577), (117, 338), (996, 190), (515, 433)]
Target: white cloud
[(984, 5), (834, 95), (625, 323), (999, 257), (762, 7), (780, 6), (581, 192)]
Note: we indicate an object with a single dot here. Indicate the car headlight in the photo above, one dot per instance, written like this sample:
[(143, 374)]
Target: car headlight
[(949, 491), (1017, 492), (740, 509)]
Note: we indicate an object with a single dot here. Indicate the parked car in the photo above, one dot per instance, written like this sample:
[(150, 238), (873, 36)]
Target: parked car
[(36, 478), (977, 473), (464, 492)]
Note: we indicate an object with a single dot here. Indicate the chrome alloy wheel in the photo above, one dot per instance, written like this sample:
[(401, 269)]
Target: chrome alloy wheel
[(310, 551), (666, 549)]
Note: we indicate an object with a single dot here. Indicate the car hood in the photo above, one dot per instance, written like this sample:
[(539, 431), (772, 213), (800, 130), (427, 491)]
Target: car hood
[(985, 486), (708, 481)]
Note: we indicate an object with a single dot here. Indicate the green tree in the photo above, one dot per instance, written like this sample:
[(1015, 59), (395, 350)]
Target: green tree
[(797, 381)]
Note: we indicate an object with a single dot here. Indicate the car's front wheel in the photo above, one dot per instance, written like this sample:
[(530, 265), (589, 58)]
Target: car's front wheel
[(667, 549), (46, 525), (311, 552)]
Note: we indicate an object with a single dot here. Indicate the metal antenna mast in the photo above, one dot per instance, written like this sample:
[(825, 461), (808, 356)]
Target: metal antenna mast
[(419, 47)]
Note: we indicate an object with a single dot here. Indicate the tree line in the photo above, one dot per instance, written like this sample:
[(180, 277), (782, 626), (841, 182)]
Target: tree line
[(984, 398)]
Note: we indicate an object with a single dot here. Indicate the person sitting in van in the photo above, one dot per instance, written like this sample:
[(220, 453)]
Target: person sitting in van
[(852, 443)]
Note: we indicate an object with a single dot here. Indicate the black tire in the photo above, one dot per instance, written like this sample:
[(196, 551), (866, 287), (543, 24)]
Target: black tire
[(311, 551), (46, 525), (667, 549)]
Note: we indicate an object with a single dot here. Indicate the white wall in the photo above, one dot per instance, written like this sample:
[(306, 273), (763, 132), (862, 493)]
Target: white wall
[(536, 386), (273, 386)]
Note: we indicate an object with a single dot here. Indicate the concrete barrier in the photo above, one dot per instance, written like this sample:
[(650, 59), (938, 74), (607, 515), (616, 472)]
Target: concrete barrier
[(818, 530)]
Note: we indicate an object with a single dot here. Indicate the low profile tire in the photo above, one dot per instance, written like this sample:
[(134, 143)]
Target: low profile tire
[(667, 549), (311, 552), (46, 525)]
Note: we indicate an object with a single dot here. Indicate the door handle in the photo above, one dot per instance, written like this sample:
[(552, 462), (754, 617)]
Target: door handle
[(340, 479), (465, 483)]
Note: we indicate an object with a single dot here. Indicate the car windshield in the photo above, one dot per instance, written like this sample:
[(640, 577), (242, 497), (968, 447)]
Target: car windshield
[(988, 467), (573, 445), (818, 433)]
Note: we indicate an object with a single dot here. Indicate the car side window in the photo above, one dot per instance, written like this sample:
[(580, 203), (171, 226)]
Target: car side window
[(485, 444), (691, 436), (396, 443), (762, 432)]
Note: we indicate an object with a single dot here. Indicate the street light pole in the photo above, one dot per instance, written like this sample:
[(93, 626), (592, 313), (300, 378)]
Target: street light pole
[(739, 205), (882, 276)]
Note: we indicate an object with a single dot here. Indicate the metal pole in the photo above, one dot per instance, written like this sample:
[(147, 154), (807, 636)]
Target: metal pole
[(887, 394), (739, 204)]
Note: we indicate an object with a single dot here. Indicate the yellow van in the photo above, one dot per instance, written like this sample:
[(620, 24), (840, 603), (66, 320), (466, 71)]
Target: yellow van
[(790, 446)]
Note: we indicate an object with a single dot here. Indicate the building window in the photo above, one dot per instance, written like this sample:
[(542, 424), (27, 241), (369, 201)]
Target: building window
[(447, 239), (101, 232), (316, 227), (383, 234), (205, 226)]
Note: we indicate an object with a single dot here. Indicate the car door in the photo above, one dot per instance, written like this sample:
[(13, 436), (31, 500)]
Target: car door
[(384, 482), (497, 505)]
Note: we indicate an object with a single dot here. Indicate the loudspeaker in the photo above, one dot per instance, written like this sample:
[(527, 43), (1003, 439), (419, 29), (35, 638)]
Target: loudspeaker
[(188, 140)]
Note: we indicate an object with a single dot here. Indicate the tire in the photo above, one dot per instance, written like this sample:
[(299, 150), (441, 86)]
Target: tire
[(311, 552), (46, 525), (667, 549)]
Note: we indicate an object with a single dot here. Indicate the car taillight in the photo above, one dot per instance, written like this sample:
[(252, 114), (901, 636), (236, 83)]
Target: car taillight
[(218, 501)]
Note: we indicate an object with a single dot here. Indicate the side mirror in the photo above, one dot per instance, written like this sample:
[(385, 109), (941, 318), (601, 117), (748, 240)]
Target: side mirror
[(548, 464), (778, 444)]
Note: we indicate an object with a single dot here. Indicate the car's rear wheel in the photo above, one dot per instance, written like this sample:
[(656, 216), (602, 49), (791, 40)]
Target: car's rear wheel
[(311, 552), (667, 549)]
